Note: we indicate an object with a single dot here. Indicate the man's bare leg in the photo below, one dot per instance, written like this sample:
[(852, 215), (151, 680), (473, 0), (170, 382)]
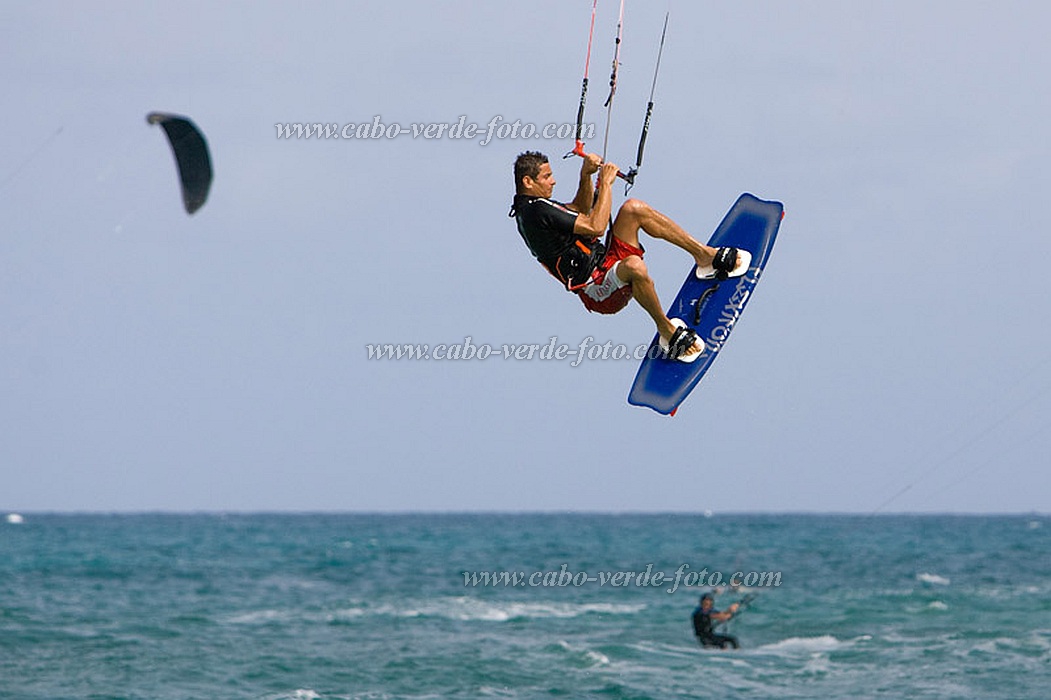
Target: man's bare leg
[(633, 271), (635, 214)]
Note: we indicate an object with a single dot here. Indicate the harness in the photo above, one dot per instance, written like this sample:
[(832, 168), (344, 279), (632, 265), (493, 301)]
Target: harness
[(576, 265), (581, 261)]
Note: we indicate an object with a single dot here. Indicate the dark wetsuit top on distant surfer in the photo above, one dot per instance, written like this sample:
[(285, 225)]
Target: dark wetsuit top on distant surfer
[(704, 627)]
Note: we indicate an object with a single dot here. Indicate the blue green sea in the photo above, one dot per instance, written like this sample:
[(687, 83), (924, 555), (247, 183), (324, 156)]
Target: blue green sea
[(396, 606)]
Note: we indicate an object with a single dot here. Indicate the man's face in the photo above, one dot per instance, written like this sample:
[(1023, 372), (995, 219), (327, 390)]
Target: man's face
[(543, 185)]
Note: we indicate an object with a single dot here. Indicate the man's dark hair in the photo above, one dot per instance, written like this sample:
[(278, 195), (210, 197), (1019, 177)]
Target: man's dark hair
[(528, 164)]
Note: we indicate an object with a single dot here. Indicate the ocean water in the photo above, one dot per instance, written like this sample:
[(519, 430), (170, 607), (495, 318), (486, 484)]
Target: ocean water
[(379, 606)]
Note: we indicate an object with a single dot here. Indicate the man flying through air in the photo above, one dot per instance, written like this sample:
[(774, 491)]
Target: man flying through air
[(565, 239)]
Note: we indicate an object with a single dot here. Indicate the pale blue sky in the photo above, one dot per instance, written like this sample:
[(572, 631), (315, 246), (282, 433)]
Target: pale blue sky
[(896, 350)]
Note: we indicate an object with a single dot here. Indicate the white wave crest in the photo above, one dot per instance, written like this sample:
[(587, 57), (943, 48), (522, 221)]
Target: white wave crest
[(467, 609), (804, 645), (932, 579)]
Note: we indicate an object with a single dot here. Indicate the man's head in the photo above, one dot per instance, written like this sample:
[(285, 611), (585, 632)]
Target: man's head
[(707, 601), (533, 175)]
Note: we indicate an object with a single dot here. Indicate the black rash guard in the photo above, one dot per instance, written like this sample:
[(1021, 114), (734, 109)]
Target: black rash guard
[(705, 631), (547, 229)]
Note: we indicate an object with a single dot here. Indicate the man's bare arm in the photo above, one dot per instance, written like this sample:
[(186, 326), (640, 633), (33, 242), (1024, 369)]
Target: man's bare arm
[(593, 223), (585, 198)]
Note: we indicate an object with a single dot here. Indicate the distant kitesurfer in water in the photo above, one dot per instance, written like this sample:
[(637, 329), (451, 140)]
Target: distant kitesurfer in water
[(565, 239), (704, 627)]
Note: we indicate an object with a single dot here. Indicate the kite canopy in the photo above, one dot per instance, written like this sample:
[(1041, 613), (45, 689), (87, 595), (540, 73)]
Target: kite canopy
[(191, 155)]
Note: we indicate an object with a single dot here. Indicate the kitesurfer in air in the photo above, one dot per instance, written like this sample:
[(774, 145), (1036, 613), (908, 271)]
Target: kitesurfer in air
[(705, 619), (565, 239)]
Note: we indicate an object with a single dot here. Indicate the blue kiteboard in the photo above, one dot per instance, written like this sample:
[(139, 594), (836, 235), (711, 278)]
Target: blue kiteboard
[(710, 307)]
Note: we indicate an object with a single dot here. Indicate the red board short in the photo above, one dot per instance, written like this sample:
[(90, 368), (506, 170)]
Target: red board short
[(607, 293)]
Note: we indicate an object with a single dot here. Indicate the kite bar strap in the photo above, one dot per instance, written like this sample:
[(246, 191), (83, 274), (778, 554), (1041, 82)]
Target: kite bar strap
[(578, 148)]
